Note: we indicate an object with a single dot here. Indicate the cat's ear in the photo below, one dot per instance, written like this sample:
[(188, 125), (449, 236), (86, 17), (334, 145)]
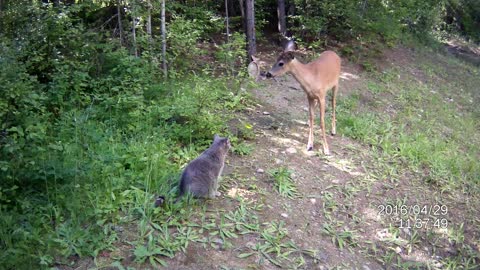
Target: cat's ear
[(216, 137)]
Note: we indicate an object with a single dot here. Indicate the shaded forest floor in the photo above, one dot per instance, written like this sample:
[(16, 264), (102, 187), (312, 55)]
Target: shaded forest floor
[(360, 208)]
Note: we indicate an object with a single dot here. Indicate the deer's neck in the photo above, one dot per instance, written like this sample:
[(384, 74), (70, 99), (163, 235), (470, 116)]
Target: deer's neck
[(304, 76)]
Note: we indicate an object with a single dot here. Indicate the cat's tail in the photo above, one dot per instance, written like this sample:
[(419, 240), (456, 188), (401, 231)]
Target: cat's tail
[(160, 200)]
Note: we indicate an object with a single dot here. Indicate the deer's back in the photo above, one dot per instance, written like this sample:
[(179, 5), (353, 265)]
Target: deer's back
[(327, 68)]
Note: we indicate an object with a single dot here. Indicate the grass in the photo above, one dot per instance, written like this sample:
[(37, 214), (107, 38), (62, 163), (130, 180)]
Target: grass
[(283, 182), (423, 136), (432, 128), (101, 172)]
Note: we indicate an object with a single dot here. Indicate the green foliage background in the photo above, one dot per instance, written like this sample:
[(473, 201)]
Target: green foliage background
[(85, 124)]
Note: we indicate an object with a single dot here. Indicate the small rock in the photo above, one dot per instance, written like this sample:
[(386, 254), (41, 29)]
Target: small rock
[(285, 215), (274, 126), (291, 150), (278, 161), (313, 200), (398, 250), (382, 234), (250, 245), (266, 113), (218, 241), (437, 264), (117, 228), (260, 170), (365, 267)]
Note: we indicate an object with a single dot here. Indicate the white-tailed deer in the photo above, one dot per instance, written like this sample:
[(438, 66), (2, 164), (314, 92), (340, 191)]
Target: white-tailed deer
[(316, 78)]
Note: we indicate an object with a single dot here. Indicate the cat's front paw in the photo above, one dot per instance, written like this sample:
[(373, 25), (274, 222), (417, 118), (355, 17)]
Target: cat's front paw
[(218, 194)]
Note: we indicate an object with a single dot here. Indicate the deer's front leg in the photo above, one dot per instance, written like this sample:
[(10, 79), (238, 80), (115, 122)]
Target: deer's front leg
[(311, 115)]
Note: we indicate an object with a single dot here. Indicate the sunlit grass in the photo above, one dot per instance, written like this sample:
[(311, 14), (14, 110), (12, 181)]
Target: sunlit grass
[(432, 125)]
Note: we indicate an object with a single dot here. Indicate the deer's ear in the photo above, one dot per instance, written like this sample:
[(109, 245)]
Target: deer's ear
[(289, 46)]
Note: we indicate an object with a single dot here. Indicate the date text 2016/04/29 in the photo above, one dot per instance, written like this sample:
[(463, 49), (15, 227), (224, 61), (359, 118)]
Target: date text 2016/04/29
[(427, 210)]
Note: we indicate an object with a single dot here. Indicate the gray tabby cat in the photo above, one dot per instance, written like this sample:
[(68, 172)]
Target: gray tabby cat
[(201, 176)]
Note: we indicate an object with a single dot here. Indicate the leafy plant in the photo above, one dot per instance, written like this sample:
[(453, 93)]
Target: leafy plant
[(243, 149), (150, 253), (283, 182), (232, 56)]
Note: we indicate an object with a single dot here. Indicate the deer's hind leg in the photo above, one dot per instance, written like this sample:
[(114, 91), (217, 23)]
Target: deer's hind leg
[(334, 101), (326, 150), (311, 117)]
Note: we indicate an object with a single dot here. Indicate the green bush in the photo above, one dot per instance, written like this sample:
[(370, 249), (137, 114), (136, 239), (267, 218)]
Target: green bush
[(463, 16), (232, 55), (364, 22), (89, 132), (24, 120)]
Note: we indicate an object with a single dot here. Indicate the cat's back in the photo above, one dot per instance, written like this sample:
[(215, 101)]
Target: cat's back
[(202, 165), (200, 172)]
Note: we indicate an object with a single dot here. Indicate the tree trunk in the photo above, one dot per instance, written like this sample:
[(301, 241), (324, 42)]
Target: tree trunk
[(250, 27), (282, 21), (227, 20), (149, 20), (242, 12), (119, 17), (134, 35), (164, 40), (228, 36), (231, 8)]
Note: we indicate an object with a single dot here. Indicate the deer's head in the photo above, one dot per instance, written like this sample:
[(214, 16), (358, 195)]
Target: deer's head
[(283, 62)]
